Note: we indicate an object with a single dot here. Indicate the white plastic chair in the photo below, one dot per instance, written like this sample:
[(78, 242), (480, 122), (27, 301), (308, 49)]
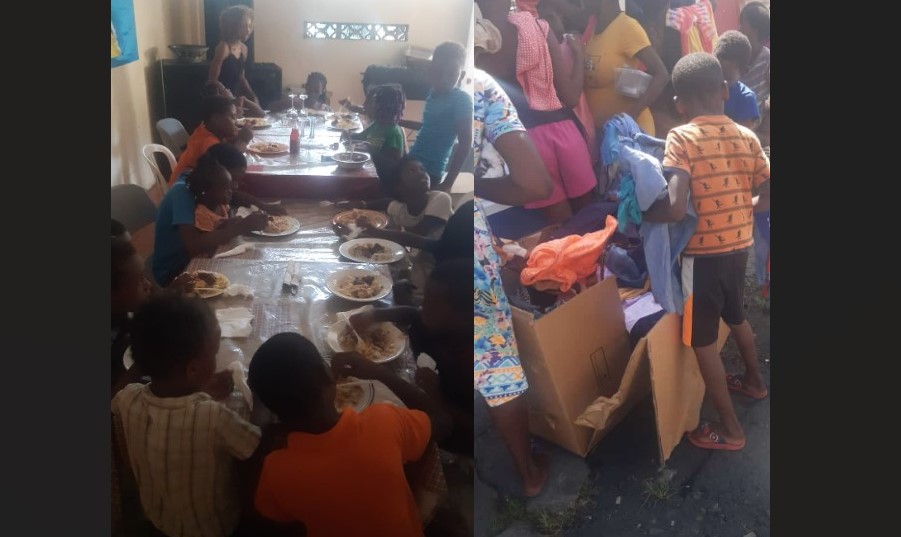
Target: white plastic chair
[(150, 151), (173, 134)]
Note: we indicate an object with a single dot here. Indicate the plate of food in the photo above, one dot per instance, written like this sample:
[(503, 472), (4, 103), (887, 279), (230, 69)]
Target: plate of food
[(254, 122), (279, 226), (358, 285), (383, 342), (357, 394), (361, 218), (346, 122), (206, 284), (268, 148), (372, 251)]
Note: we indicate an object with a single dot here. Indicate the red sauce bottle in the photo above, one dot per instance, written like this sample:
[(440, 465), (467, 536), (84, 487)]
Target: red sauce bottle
[(295, 141)]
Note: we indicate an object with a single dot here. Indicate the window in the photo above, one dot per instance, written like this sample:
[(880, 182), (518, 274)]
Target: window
[(356, 31)]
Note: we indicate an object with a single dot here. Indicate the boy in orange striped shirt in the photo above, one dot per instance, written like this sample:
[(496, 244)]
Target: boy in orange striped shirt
[(719, 162)]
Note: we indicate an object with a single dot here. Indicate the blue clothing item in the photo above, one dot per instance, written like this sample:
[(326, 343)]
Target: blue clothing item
[(647, 173), (439, 130), (629, 271), (169, 254), (761, 245), (742, 103), (663, 243)]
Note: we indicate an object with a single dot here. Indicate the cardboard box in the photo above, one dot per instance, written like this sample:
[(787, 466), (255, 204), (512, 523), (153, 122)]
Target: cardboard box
[(571, 356), (583, 380)]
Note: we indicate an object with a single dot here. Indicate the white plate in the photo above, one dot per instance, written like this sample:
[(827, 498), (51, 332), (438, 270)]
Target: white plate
[(254, 122), (366, 399), (295, 227), (334, 333), (333, 279), (396, 251)]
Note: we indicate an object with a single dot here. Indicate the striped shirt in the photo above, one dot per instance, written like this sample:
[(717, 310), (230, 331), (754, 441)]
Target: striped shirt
[(182, 452), (725, 161), (758, 77)]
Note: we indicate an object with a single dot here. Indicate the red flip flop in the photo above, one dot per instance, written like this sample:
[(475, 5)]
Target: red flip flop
[(712, 440), (736, 385)]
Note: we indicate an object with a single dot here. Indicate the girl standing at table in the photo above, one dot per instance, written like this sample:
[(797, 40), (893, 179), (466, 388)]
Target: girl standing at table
[(230, 57)]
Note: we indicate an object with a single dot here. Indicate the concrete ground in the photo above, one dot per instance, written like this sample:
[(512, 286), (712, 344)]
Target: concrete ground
[(621, 490)]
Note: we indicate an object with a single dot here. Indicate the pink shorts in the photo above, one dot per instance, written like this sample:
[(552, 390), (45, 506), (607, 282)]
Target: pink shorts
[(566, 157)]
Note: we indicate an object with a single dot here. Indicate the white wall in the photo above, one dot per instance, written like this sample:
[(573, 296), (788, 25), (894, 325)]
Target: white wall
[(279, 37), (158, 24)]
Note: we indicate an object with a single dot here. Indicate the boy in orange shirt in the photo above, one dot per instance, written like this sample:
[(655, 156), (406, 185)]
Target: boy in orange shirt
[(341, 473), (719, 162), (219, 115)]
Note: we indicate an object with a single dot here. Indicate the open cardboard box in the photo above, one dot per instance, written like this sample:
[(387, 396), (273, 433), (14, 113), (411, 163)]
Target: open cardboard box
[(583, 380)]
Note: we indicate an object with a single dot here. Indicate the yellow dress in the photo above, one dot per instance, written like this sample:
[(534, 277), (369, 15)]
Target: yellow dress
[(616, 46)]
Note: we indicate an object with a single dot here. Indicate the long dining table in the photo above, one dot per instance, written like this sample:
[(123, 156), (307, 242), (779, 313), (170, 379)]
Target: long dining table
[(310, 174), (313, 250)]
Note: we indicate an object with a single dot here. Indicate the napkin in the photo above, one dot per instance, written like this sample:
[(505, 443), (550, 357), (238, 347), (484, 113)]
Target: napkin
[(239, 377), (424, 360), (242, 212), (239, 289), (234, 322), (237, 250)]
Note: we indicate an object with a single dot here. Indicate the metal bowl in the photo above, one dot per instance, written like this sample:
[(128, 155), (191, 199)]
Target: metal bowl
[(351, 161), (190, 53)]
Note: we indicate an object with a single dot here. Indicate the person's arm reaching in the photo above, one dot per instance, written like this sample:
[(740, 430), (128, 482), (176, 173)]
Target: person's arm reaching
[(404, 238), (671, 208), (528, 180), (243, 199), (352, 364), (199, 242)]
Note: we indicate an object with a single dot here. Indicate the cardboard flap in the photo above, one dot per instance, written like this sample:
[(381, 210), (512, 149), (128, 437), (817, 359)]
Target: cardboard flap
[(676, 382), (634, 385)]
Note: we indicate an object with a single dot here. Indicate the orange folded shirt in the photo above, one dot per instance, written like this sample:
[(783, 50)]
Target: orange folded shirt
[(569, 259)]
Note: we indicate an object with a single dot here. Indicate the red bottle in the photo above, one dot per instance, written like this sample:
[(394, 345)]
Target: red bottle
[(295, 141)]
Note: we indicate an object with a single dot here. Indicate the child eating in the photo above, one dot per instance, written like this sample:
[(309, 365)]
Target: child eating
[(341, 473), (219, 114), (442, 328), (181, 444)]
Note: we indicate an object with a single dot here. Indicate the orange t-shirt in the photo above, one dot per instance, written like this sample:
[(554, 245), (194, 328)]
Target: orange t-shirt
[(725, 161), (350, 480), (206, 219), (201, 140)]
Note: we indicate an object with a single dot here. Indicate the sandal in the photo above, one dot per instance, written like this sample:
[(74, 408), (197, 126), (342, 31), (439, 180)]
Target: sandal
[(712, 440), (735, 384)]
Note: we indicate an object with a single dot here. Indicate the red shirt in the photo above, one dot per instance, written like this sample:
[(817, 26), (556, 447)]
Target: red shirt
[(201, 140)]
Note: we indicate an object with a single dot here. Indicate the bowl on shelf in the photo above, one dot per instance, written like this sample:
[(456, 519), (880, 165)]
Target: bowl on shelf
[(351, 161), (190, 53)]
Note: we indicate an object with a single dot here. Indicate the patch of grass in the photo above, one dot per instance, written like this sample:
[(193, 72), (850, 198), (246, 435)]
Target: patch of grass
[(657, 490), (548, 522), (509, 511)]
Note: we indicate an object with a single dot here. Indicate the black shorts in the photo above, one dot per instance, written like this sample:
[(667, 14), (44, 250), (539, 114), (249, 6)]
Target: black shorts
[(715, 287)]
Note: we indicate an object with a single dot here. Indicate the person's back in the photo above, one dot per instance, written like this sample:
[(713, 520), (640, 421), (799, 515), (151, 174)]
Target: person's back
[(340, 474), (169, 254), (349, 480), (725, 161), (182, 445)]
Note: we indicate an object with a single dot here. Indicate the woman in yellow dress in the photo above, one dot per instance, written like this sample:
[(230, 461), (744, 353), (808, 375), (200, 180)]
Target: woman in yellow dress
[(619, 41)]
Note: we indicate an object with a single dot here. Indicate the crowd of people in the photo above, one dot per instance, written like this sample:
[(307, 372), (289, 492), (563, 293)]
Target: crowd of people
[(548, 115)]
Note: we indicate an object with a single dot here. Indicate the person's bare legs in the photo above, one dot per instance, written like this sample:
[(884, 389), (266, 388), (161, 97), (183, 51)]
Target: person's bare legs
[(512, 421), (714, 375), (744, 338)]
